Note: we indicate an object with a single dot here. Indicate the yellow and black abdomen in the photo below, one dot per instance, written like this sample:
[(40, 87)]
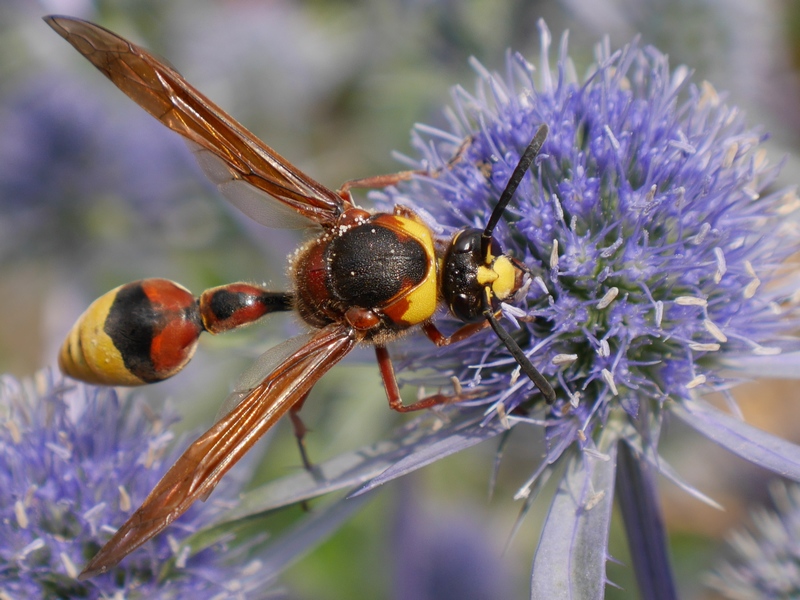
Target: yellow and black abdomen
[(138, 333)]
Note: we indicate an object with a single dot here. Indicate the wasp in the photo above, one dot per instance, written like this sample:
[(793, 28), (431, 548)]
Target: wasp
[(363, 277)]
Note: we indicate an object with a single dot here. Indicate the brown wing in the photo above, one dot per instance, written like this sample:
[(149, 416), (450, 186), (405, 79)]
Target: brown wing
[(166, 95), (201, 467)]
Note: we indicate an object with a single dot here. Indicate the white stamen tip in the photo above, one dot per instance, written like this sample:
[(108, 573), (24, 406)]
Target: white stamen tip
[(502, 415), (659, 313), (789, 203), (69, 566), (750, 289), (766, 350), (174, 546), (523, 492), (708, 95), (699, 380), (608, 298), (703, 347), (722, 266), (124, 499), (594, 500), (32, 547), (715, 331), (701, 235), (253, 568), (610, 250), (554, 255), (21, 514), (563, 359), (760, 158), (611, 138), (691, 301), (609, 379), (559, 210), (183, 557), (13, 429), (730, 155), (541, 284)]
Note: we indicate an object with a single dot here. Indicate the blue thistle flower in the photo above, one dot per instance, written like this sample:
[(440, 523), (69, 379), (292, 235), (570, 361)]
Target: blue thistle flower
[(75, 462), (655, 241), (764, 561)]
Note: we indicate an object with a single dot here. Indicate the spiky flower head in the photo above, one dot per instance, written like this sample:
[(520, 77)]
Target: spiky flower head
[(656, 242), (75, 461), (648, 222)]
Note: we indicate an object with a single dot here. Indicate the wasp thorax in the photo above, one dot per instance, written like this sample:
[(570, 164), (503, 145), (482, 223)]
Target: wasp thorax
[(383, 264), (466, 273)]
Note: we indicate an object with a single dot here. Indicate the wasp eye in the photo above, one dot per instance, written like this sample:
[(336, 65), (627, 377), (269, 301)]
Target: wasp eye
[(466, 241), (460, 287)]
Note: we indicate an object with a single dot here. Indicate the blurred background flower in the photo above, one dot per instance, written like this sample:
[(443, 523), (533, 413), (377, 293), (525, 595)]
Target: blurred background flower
[(75, 461), (763, 559), (334, 87)]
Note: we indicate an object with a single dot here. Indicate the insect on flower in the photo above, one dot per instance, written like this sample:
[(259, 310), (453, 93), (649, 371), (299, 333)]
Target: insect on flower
[(364, 278)]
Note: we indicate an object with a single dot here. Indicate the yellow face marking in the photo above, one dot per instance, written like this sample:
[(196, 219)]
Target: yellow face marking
[(506, 272), (486, 275), (501, 277)]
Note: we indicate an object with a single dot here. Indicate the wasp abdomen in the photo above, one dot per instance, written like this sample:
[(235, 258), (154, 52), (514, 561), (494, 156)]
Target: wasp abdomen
[(138, 333)]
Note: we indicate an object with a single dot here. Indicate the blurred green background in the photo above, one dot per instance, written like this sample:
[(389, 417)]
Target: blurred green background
[(94, 193)]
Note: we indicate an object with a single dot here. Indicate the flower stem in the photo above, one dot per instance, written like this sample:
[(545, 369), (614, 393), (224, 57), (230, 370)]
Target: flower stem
[(638, 501)]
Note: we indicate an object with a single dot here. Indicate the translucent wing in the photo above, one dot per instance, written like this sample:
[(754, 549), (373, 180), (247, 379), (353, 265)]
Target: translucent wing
[(243, 160), (261, 368), (252, 201), (201, 467)]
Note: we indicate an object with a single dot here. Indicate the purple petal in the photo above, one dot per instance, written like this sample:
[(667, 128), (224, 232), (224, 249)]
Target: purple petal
[(435, 448), (781, 366), (754, 445), (570, 561), (368, 463)]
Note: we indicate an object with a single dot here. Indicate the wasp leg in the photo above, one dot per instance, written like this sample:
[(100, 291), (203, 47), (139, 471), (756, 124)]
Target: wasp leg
[(377, 181), (462, 333), (300, 431), (382, 181), (393, 391)]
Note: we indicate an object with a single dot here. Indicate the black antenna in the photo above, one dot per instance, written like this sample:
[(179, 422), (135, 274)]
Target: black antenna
[(524, 363), (523, 165), (525, 161)]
